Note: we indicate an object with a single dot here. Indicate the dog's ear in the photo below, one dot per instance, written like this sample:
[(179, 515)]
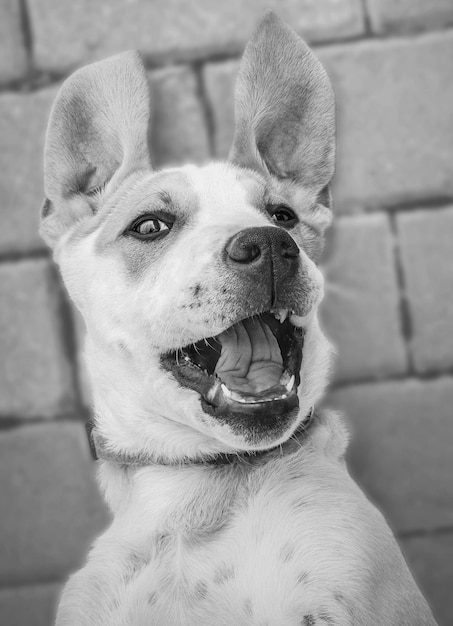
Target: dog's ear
[(97, 134), (284, 109)]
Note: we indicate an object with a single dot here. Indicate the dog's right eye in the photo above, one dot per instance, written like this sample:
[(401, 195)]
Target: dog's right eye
[(149, 228)]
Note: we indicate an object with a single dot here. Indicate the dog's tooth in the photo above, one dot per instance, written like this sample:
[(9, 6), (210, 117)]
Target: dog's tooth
[(232, 395), (226, 392), (210, 396), (284, 378), (290, 384), (282, 315)]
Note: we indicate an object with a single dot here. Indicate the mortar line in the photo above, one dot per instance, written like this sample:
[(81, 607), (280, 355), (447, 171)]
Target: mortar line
[(397, 378), (367, 18), (27, 34), (68, 340), (425, 532), (405, 315), (46, 78), (11, 422), (395, 205), (27, 583), (18, 256), (206, 107)]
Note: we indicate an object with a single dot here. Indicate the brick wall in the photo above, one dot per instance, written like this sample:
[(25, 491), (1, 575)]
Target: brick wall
[(389, 304)]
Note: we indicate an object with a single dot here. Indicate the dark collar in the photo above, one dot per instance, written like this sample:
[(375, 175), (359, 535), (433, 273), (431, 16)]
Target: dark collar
[(100, 450)]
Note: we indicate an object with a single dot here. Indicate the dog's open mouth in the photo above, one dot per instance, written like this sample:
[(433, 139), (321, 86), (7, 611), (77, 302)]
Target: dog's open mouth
[(252, 367)]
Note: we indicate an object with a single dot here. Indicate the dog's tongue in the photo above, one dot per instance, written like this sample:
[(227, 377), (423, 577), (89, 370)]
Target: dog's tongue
[(251, 360)]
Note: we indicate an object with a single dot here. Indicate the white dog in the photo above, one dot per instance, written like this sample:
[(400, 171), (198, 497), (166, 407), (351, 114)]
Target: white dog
[(200, 288)]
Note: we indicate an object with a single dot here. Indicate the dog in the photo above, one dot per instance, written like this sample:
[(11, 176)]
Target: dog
[(200, 288)]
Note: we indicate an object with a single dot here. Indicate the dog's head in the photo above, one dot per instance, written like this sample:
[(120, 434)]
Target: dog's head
[(199, 286)]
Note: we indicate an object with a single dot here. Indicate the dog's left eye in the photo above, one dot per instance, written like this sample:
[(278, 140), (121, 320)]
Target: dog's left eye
[(149, 228), (283, 215)]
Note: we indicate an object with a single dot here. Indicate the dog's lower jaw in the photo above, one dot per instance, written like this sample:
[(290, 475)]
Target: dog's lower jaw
[(167, 421)]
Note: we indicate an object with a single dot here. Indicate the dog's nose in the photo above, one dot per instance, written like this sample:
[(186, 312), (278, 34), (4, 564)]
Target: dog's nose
[(252, 249)]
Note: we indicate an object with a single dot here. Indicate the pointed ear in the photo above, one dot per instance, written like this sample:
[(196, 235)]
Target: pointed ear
[(97, 134), (284, 109)]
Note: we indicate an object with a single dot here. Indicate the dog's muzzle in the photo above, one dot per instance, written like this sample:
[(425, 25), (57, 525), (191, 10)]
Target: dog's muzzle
[(248, 375)]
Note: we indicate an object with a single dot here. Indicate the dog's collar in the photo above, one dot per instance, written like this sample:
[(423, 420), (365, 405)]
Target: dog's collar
[(100, 450)]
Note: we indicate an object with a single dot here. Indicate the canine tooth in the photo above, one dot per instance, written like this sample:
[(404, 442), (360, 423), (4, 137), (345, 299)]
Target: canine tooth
[(232, 395), (284, 378), (213, 391), (226, 392), (290, 384), (281, 315)]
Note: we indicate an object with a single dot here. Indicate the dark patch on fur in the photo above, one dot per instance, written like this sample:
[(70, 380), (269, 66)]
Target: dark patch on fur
[(135, 564), (113, 603), (152, 598), (325, 617), (300, 503), (223, 574), (201, 590), (248, 607), (196, 289), (308, 620), (340, 598), (287, 552), (302, 578), (161, 542)]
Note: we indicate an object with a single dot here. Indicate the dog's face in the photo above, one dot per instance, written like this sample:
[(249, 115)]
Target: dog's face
[(199, 286)]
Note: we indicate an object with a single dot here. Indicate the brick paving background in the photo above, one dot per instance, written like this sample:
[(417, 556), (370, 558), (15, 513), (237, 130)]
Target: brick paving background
[(389, 303)]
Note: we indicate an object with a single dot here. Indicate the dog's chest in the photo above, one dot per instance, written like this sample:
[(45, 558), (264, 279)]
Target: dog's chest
[(274, 561), (243, 581)]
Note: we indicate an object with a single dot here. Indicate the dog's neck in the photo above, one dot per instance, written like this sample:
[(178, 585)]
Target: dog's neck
[(101, 450), (163, 493)]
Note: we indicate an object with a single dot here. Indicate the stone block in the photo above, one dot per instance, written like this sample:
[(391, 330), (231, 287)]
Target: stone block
[(71, 33), (426, 253), (401, 448), (52, 508), (29, 606), (35, 369), (13, 55), (23, 122), (361, 311), (179, 130), (407, 15)]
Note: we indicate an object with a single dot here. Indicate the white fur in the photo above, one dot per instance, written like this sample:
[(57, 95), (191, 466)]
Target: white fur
[(277, 544), (302, 540), (281, 539)]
